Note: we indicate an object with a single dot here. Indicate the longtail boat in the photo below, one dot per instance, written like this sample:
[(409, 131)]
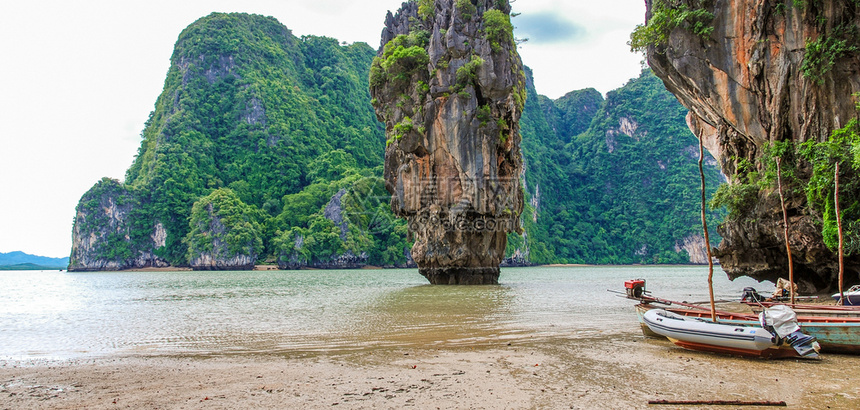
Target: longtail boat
[(810, 310), (757, 303)]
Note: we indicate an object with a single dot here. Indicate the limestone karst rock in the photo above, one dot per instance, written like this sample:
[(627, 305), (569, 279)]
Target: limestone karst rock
[(450, 87), (751, 81)]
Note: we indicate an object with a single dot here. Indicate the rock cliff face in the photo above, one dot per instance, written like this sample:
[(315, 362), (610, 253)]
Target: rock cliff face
[(450, 88), (745, 85)]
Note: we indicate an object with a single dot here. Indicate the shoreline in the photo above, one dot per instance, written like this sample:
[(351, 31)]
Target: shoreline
[(264, 267), (568, 265), (260, 267), (152, 269)]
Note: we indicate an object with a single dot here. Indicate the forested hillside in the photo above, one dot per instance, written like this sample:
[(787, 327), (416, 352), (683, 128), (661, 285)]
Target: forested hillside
[(264, 147), (612, 181)]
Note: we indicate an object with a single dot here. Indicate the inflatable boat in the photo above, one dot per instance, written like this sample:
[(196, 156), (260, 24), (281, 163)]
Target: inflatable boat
[(748, 341)]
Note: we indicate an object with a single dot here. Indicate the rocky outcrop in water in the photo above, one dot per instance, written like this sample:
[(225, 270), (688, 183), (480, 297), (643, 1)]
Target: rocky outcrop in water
[(102, 240), (752, 80), (450, 88)]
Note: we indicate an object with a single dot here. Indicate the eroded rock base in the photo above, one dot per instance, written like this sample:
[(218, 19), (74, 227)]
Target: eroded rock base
[(461, 276)]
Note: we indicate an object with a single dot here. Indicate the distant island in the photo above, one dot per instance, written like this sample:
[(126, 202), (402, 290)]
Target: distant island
[(23, 261)]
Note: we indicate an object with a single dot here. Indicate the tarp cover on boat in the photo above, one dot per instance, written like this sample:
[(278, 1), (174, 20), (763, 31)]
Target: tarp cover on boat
[(782, 318)]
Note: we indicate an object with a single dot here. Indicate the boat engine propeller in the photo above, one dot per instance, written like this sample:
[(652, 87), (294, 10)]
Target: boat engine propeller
[(780, 320)]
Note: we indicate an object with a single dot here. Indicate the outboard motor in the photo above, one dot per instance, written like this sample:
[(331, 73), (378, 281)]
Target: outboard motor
[(751, 295), (782, 321), (635, 288)]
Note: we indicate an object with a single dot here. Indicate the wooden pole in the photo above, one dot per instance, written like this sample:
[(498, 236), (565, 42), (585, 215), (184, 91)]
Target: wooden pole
[(707, 237), (841, 246), (720, 403), (785, 222)]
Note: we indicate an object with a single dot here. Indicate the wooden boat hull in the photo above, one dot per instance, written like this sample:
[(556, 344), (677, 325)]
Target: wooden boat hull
[(834, 337), (834, 334), (811, 310)]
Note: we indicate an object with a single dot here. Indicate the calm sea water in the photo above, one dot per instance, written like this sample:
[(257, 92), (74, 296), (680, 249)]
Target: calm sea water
[(62, 315)]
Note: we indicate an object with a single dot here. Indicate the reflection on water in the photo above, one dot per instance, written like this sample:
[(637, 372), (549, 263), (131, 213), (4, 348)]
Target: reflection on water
[(429, 315), (60, 315)]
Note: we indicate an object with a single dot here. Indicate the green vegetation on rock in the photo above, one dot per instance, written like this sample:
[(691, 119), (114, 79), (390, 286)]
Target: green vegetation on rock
[(667, 15), (308, 234), (224, 227), (499, 29), (427, 9), (468, 73), (401, 58), (843, 147), (742, 195), (823, 52), (466, 9)]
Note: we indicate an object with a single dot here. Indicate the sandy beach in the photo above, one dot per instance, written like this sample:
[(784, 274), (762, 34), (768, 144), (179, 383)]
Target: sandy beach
[(621, 371)]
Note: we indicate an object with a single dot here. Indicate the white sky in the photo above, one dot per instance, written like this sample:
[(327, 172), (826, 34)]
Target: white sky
[(78, 79)]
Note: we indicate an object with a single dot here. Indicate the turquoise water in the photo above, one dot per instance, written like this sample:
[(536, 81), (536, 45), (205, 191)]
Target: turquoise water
[(61, 315)]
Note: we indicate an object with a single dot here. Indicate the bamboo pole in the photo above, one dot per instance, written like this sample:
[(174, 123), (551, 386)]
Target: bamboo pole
[(841, 246), (707, 237), (785, 222)]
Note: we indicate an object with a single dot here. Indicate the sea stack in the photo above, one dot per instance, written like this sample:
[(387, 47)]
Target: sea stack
[(450, 87)]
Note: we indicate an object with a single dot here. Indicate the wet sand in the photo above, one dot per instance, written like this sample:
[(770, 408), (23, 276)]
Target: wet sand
[(578, 372)]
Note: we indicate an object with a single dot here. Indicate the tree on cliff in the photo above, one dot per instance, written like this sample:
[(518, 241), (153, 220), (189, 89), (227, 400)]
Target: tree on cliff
[(843, 147)]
